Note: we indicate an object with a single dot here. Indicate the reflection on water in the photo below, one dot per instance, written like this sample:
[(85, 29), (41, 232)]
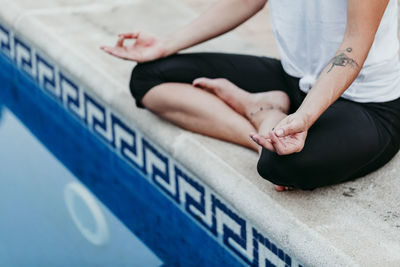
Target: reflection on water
[(44, 211), (48, 217), (86, 213)]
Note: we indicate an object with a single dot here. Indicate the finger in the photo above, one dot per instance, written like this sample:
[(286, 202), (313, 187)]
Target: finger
[(279, 146), (275, 140), (289, 128), (285, 145), (256, 135), (115, 52), (120, 42), (130, 35), (122, 53), (108, 49), (104, 47), (262, 141)]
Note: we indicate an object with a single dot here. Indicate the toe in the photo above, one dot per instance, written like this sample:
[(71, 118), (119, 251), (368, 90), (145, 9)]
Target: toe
[(279, 188), (210, 85), (203, 82)]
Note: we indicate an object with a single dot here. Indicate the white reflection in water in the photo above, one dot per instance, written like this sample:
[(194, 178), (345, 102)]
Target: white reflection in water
[(97, 235)]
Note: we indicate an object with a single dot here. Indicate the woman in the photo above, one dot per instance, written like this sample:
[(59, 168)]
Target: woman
[(328, 112)]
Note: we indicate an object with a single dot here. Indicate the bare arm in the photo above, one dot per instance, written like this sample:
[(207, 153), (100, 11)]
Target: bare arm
[(222, 17), (363, 19)]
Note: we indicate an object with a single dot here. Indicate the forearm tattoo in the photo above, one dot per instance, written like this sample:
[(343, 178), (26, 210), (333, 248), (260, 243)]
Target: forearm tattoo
[(343, 60)]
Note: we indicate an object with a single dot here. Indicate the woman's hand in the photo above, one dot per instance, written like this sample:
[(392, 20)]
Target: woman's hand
[(288, 136), (146, 47)]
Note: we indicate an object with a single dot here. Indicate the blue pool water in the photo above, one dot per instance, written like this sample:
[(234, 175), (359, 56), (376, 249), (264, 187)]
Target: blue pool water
[(38, 195), (66, 199), (48, 217)]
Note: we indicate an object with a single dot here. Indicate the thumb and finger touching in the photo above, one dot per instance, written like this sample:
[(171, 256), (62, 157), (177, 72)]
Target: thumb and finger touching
[(121, 38), (145, 48), (287, 138), (126, 36), (289, 126), (119, 49), (279, 145), (130, 35)]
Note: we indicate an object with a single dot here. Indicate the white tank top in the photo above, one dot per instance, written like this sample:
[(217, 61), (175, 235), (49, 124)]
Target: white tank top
[(309, 32)]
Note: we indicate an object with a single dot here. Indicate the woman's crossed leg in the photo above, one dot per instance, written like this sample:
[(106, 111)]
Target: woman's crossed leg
[(216, 107)]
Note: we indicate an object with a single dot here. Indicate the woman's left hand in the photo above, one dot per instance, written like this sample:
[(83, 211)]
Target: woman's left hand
[(288, 136)]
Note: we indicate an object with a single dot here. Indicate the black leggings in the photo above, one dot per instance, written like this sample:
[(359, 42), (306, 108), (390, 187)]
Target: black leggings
[(349, 140)]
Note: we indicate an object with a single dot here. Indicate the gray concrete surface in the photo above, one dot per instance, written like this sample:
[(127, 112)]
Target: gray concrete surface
[(355, 223)]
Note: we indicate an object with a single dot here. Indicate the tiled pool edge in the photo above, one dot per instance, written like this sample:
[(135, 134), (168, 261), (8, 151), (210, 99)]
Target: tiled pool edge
[(97, 128)]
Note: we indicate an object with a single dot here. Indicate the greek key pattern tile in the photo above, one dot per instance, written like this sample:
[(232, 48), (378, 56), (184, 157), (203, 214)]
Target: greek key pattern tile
[(190, 194)]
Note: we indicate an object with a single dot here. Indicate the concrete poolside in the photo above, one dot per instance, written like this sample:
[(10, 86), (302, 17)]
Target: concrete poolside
[(356, 223)]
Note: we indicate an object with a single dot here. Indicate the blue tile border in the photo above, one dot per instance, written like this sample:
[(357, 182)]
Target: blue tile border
[(195, 199)]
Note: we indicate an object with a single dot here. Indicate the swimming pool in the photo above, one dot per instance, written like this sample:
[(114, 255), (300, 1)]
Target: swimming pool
[(49, 217), (111, 164)]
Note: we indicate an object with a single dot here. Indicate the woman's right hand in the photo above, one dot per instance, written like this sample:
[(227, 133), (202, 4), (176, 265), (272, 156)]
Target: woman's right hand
[(288, 137), (146, 47)]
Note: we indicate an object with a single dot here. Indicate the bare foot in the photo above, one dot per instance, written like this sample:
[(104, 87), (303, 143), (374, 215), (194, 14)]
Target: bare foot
[(261, 103), (253, 106), (231, 94), (249, 105)]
